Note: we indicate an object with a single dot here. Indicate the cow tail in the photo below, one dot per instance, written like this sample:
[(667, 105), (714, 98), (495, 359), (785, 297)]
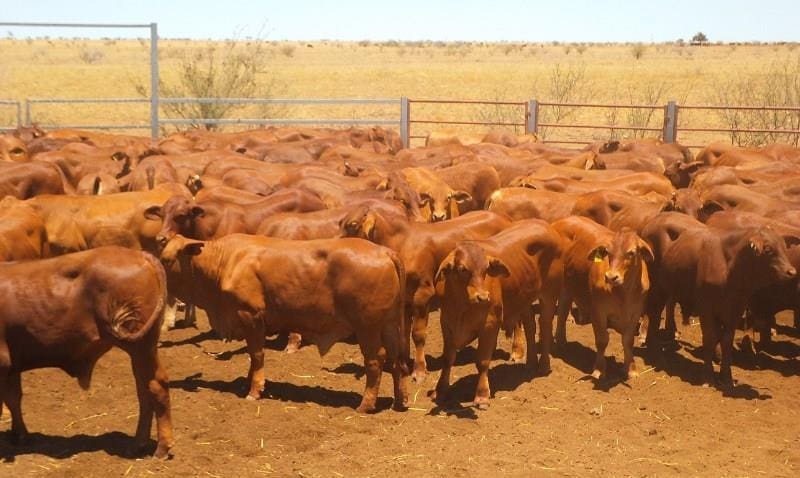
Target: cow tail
[(400, 270), (97, 187), (126, 323)]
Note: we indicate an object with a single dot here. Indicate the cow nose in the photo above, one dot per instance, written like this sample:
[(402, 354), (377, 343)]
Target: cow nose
[(791, 272), (612, 277), (438, 217), (162, 241), (480, 297)]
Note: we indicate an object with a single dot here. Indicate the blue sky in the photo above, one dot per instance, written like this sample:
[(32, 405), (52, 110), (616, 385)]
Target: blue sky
[(448, 20)]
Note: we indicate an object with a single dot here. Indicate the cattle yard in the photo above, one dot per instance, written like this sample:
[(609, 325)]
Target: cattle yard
[(332, 302)]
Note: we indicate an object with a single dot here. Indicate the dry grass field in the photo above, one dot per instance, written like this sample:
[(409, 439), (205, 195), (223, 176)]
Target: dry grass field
[(619, 73)]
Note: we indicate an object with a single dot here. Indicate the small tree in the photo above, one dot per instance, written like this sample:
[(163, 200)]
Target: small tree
[(233, 69), (699, 38)]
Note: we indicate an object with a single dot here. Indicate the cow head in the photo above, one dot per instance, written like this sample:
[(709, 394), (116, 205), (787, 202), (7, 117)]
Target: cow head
[(765, 256), (681, 174), (467, 270), (176, 258), (442, 203), (685, 201), (618, 263), (178, 216), (12, 149), (361, 222), (398, 189)]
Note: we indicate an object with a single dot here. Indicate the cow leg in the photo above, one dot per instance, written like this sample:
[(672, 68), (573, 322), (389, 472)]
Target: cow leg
[(190, 315), (449, 359), (628, 337), (528, 323), (374, 357), (564, 304), (726, 344), (653, 313), (392, 339), (796, 318), (600, 327), (152, 390), (255, 347), (517, 344), (293, 344), (12, 396), (672, 328), (548, 310), (419, 332), (707, 327), (170, 311), (487, 343)]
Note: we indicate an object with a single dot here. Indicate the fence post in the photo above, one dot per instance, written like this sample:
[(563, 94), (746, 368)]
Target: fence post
[(19, 114), (154, 80), (670, 132), (404, 122), (27, 112), (533, 117)]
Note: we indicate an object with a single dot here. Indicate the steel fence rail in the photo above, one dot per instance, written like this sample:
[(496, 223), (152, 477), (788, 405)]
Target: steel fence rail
[(18, 114), (274, 121), (284, 101)]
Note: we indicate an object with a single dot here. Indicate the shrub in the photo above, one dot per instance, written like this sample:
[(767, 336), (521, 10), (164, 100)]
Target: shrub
[(90, 55), (637, 50)]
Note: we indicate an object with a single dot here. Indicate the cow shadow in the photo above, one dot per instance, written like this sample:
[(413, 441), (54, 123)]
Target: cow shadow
[(503, 377), (61, 447), (675, 364), (193, 340), (282, 391)]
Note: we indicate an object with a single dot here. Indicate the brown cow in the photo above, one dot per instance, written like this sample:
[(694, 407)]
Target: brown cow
[(526, 203), (68, 311), (13, 149), (22, 232), (636, 183), (98, 184), (715, 272), (26, 180), (605, 274), (438, 201), (618, 209), (492, 283), (76, 223), (328, 289), (421, 248), (728, 196), (477, 179), (213, 218), (151, 172)]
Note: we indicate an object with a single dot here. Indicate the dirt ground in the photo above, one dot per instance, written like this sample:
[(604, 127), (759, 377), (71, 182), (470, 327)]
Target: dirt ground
[(660, 424)]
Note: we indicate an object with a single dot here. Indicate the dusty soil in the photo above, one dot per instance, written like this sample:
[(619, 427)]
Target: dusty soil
[(660, 424)]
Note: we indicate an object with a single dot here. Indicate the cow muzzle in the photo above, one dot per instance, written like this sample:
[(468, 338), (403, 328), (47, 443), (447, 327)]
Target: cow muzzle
[(438, 217), (481, 297), (791, 273), (613, 278)]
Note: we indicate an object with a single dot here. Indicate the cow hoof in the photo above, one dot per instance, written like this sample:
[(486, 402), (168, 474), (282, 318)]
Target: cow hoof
[(596, 374), (482, 404), (400, 405), (418, 376), (365, 409), (291, 348), (632, 374), (162, 453), (543, 369), (252, 398)]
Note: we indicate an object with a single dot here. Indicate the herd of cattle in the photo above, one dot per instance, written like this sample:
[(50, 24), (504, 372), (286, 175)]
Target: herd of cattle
[(326, 234)]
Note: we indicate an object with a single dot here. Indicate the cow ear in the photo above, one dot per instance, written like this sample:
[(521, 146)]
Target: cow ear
[(709, 208), (153, 213), (609, 147), (462, 196), (119, 156), (497, 268), (383, 185), (690, 167), (645, 251), (598, 254), (757, 245), (369, 226), (192, 248), (445, 267), (197, 211)]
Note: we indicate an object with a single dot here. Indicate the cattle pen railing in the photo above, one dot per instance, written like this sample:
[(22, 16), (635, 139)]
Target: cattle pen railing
[(691, 124)]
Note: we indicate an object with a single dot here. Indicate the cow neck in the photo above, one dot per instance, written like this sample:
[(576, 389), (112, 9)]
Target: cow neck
[(391, 233), (206, 268), (735, 244)]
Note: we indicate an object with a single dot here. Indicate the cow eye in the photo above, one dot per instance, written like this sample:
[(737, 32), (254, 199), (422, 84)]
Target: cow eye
[(768, 250), (17, 151), (352, 225), (630, 254)]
